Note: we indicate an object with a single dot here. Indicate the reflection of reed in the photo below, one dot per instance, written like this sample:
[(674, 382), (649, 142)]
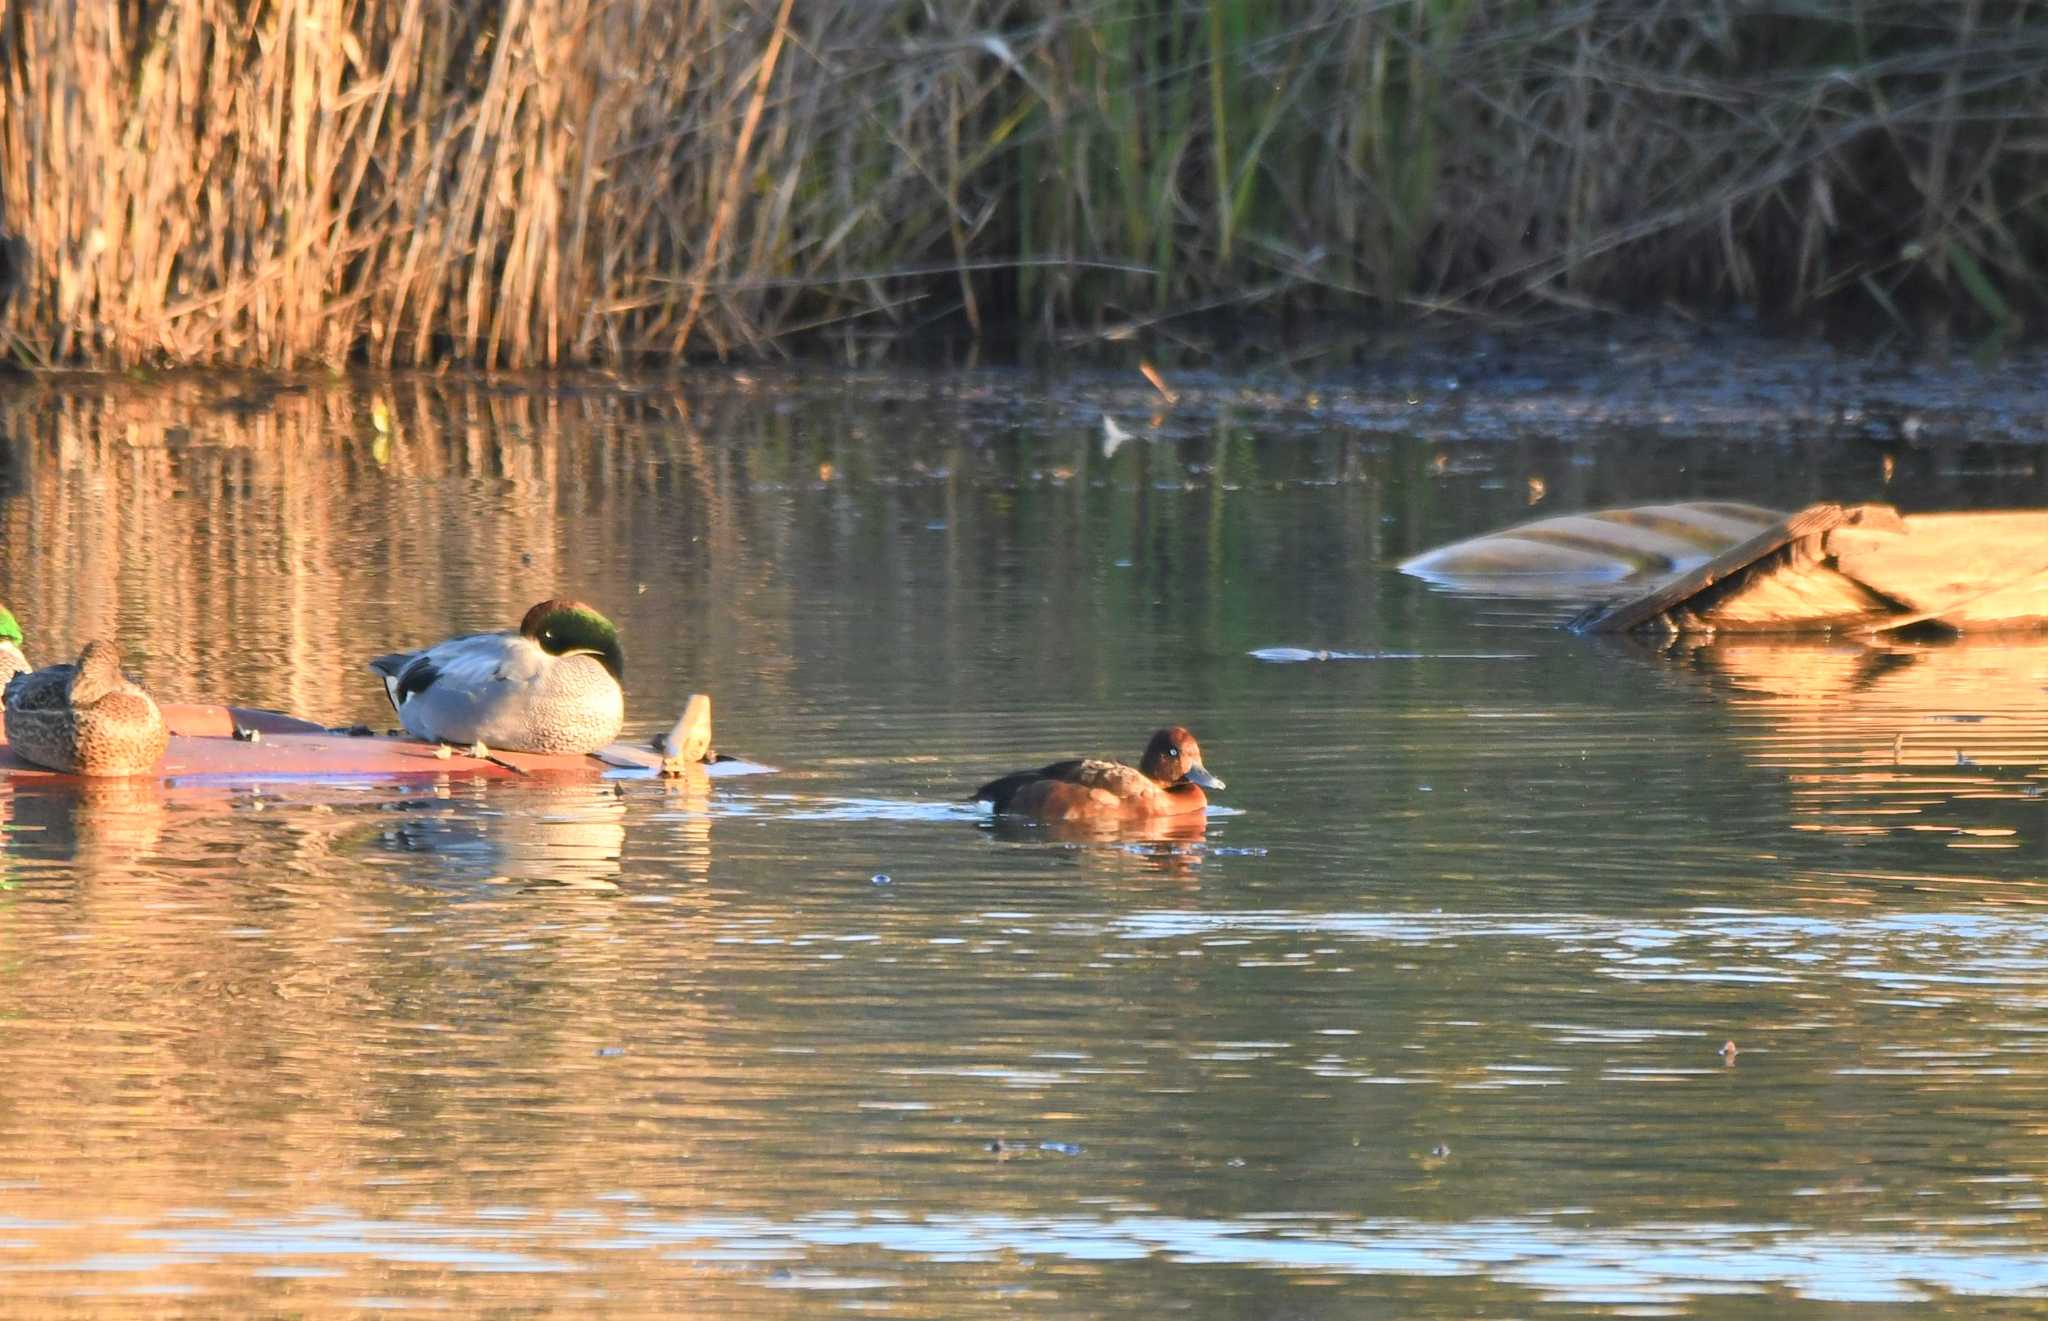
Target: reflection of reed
[(263, 549), (253, 540), (262, 1011)]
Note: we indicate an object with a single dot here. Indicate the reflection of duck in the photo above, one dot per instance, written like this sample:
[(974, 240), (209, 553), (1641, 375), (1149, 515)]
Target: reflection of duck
[(99, 825), (1167, 781), (555, 834), (1165, 831), (12, 662), (87, 718), (551, 686)]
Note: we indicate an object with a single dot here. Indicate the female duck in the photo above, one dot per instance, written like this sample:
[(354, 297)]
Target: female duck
[(552, 686), (1167, 781), (12, 662), (87, 718)]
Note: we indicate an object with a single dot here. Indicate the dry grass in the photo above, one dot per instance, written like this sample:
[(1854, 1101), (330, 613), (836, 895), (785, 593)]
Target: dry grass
[(543, 182)]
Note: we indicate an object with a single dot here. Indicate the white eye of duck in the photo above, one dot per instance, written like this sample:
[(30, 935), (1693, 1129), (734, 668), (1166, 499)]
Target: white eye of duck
[(1173, 752)]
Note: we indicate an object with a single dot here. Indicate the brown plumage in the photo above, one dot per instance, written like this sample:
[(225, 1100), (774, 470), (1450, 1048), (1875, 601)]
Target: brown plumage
[(86, 718), (1167, 781)]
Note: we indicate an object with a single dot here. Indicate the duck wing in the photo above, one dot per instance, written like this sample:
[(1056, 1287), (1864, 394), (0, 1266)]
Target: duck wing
[(47, 689), (1113, 776), (1097, 773), (465, 664)]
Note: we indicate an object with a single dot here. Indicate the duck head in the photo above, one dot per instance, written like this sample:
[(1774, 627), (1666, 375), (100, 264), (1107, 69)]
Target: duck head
[(9, 630), (571, 628), (1173, 756), (97, 674)]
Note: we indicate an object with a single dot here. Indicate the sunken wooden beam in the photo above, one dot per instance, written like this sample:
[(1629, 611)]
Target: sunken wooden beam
[(1570, 552), (1856, 569)]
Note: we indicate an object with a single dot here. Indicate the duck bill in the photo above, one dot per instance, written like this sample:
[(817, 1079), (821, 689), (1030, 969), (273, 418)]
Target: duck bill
[(1200, 775)]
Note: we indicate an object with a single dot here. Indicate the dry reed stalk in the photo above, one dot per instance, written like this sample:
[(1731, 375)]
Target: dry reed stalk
[(550, 182)]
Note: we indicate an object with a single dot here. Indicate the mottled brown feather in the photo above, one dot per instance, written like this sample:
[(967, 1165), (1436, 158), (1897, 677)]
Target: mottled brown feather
[(86, 718)]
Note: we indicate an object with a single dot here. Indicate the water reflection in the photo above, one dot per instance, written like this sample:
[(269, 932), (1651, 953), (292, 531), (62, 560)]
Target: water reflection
[(532, 834), (737, 1264), (98, 826), (1946, 742), (593, 1047)]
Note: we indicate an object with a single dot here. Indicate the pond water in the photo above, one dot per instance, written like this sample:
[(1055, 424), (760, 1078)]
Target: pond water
[(1427, 1018)]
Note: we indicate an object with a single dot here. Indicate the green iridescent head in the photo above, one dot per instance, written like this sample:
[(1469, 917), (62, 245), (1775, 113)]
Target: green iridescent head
[(9, 630), (571, 628)]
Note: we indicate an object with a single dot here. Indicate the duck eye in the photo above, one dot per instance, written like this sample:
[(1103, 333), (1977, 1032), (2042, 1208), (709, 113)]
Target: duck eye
[(1173, 752)]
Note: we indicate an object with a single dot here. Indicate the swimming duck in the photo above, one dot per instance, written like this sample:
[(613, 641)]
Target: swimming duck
[(1167, 781), (12, 662), (87, 718), (551, 686)]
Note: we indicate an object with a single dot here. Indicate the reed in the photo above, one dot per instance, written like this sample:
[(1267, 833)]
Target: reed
[(535, 183)]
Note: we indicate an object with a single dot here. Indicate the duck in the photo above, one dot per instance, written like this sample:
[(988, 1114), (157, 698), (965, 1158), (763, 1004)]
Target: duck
[(86, 718), (12, 662), (1167, 781), (549, 686)]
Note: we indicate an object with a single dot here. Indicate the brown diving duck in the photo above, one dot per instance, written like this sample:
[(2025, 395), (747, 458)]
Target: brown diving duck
[(1167, 781), (86, 719)]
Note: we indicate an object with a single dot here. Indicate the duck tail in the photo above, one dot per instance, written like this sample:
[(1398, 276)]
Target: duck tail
[(1000, 792)]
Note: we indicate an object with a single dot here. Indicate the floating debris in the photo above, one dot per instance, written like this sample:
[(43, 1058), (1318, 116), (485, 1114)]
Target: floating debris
[(1113, 436), (1151, 374), (1300, 655)]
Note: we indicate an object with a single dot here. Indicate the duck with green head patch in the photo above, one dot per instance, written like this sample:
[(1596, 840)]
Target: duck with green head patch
[(12, 662), (550, 686)]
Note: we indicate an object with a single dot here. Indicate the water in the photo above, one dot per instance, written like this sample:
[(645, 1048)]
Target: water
[(1429, 1022)]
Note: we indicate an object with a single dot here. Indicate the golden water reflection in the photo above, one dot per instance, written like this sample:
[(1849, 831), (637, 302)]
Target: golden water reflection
[(1945, 742), (830, 1040)]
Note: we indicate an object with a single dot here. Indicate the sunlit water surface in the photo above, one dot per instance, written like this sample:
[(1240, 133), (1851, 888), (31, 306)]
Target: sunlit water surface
[(1429, 1023)]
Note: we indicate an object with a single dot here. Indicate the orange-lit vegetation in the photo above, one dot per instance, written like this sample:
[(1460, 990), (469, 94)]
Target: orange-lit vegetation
[(279, 182)]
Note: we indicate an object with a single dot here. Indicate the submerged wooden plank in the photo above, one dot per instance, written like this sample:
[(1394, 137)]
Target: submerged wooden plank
[(213, 743), (1627, 615), (1598, 546)]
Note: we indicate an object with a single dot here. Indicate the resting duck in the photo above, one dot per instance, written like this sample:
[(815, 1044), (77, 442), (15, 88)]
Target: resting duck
[(87, 718), (1167, 781), (12, 662), (552, 686)]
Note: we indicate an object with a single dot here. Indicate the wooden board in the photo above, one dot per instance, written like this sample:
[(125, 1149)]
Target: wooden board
[(204, 748), (1857, 569), (1966, 570)]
